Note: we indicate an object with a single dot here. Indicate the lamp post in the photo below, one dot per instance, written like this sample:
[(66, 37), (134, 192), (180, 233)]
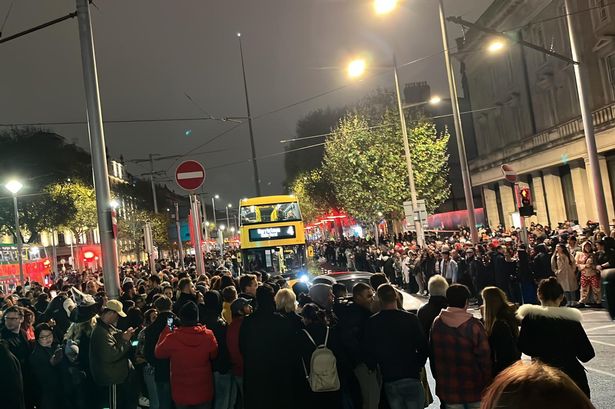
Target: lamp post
[(356, 68), (14, 186), (228, 220)]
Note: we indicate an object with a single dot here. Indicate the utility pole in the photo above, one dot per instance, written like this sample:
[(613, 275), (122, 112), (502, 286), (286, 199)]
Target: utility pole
[(418, 225), (97, 147), (463, 160), (257, 185), (179, 237), (151, 178)]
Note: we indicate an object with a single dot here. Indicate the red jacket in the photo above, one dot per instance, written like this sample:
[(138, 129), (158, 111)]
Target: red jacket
[(191, 350), (232, 343)]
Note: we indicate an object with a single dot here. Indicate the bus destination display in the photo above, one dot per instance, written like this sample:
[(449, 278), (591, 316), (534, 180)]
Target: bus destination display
[(272, 233)]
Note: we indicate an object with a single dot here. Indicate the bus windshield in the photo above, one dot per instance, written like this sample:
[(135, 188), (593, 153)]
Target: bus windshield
[(270, 213)]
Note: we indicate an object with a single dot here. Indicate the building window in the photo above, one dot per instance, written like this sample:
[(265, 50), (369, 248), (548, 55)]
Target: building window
[(610, 70), (603, 10)]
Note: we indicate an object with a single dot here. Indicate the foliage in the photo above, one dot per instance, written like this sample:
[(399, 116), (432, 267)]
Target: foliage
[(83, 198), (316, 194), (365, 160), (130, 230), (39, 158)]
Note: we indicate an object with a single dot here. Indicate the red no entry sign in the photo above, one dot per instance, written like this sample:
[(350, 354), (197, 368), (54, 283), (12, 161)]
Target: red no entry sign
[(190, 175)]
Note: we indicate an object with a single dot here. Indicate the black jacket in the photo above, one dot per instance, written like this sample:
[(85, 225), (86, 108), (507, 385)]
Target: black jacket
[(305, 398), (394, 340), (265, 341), (48, 378), (556, 337), (183, 299), (162, 367), (428, 312), (503, 343), (11, 381), (214, 322), (351, 332)]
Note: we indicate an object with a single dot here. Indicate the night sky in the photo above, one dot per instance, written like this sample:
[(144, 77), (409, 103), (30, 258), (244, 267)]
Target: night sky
[(151, 53)]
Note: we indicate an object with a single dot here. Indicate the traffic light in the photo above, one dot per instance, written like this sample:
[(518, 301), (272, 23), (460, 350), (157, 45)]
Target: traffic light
[(526, 209)]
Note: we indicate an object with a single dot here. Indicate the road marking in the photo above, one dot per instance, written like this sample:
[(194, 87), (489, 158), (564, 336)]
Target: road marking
[(612, 375), (602, 327), (601, 343)]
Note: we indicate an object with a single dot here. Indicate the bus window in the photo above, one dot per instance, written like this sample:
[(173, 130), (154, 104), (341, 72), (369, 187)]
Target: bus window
[(282, 212)]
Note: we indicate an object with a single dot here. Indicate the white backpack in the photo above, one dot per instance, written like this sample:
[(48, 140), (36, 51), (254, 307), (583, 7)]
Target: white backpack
[(323, 368)]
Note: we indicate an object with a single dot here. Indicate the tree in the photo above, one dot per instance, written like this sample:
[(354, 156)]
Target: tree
[(39, 158), (316, 194), (365, 160), (130, 230), (83, 198)]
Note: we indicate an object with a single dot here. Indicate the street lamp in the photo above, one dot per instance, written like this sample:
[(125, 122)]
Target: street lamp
[(496, 46), (14, 186), (420, 236), (384, 6), (435, 100), (356, 68), (228, 220)]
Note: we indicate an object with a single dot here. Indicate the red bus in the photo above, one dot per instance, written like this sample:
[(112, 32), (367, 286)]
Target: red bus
[(36, 265)]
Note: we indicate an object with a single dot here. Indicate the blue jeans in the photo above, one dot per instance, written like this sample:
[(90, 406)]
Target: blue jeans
[(405, 393), (223, 387), (164, 395), (150, 384)]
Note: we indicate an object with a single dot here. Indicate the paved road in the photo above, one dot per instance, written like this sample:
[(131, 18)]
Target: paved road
[(600, 370)]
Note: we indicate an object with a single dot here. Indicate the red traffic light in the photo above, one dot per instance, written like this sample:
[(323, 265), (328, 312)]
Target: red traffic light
[(526, 196)]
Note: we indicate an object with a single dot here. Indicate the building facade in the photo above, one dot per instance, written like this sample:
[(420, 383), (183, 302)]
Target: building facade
[(526, 109)]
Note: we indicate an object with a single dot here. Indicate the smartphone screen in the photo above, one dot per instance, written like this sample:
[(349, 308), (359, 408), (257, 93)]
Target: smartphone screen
[(170, 323), (135, 343)]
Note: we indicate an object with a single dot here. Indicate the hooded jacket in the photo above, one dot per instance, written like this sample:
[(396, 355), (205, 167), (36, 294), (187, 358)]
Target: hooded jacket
[(460, 356), (191, 351), (555, 336), (109, 355)]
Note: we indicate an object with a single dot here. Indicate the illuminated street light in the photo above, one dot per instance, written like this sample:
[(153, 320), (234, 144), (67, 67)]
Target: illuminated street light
[(114, 204), (222, 227), (379, 214), (356, 68), (229, 205), (13, 186), (496, 46), (384, 6), (216, 196), (435, 100)]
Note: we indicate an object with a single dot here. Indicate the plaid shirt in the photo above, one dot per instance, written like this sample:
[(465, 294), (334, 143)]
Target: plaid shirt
[(460, 361)]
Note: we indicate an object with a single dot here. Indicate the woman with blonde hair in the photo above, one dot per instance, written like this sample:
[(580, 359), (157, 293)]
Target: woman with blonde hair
[(286, 305), (502, 328)]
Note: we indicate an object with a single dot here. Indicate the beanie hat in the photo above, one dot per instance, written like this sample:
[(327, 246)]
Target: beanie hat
[(189, 314), (237, 307)]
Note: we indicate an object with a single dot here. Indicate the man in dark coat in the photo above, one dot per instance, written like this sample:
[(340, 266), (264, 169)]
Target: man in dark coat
[(11, 381), (265, 343), (18, 345), (437, 302), (162, 371), (188, 294)]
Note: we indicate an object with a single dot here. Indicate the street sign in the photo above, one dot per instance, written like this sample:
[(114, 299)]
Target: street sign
[(190, 175), (415, 214), (509, 173)]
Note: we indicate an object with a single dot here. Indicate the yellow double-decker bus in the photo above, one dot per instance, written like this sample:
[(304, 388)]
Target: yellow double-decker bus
[(272, 235)]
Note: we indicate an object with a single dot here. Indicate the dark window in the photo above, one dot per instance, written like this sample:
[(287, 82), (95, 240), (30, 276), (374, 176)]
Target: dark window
[(569, 199)]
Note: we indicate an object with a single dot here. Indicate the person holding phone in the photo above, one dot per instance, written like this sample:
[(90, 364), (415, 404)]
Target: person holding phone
[(109, 355), (45, 363), (161, 367)]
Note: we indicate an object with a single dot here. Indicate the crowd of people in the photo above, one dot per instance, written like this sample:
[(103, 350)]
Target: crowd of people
[(225, 340)]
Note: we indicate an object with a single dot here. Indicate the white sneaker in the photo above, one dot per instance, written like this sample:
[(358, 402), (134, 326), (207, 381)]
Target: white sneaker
[(144, 402)]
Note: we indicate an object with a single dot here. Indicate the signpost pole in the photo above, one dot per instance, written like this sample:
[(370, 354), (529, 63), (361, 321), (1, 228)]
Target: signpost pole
[(196, 220)]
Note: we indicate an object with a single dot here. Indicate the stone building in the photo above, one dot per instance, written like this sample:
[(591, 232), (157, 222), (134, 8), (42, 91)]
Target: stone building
[(529, 114)]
